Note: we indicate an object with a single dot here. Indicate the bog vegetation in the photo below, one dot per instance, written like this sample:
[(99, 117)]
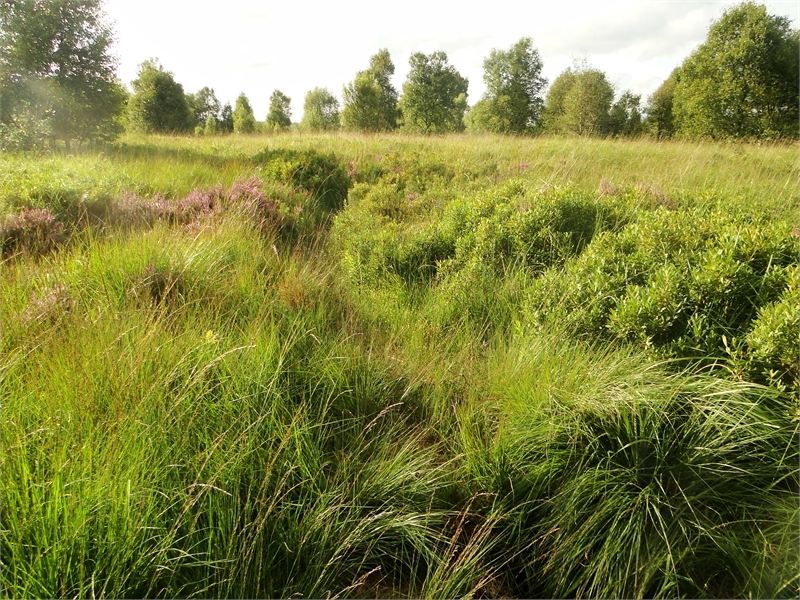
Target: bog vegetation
[(398, 364), (400, 367)]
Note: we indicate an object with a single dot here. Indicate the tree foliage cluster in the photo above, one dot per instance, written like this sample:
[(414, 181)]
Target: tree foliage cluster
[(59, 83), (57, 74), (513, 102), (743, 81)]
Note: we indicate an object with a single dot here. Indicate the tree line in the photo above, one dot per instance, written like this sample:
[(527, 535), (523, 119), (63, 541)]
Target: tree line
[(59, 83)]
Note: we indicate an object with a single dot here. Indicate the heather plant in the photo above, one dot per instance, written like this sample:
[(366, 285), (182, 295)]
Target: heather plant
[(31, 231)]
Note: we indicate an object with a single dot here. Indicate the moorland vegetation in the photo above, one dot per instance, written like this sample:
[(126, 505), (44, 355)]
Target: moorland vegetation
[(556, 364)]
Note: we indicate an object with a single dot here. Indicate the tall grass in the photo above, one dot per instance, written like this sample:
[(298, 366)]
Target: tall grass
[(215, 406)]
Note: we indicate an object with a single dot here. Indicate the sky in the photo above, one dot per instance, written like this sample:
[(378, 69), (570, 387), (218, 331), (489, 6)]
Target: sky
[(257, 46)]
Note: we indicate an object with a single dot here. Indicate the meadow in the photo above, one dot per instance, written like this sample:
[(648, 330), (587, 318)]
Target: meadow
[(396, 366)]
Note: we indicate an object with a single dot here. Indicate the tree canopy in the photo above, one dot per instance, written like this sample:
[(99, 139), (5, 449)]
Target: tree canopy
[(660, 121), (58, 74), (204, 105), (743, 81), (579, 102), (434, 95), (280, 111), (513, 99), (370, 100), (625, 117), (244, 121), (320, 111), (158, 104)]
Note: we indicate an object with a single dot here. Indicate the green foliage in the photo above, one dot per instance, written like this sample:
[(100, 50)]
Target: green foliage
[(322, 175), (243, 119), (186, 381), (771, 345), (370, 100), (226, 119), (513, 99), (204, 104), (579, 102), (320, 111), (58, 75), (631, 485), (682, 284), (382, 68), (743, 81), (660, 121), (434, 95), (210, 127), (158, 104), (625, 117), (280, 111)]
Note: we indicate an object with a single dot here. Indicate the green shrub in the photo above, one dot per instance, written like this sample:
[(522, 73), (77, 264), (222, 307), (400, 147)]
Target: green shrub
[(323, 175), (772, 344), (681, 283)]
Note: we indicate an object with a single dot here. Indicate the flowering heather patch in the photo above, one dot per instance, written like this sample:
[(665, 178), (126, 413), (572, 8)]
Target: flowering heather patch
[(249, 197), (199, 203), (133, 210), (33, 230)]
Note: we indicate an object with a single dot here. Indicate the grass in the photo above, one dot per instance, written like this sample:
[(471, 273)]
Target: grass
[(268, 399)]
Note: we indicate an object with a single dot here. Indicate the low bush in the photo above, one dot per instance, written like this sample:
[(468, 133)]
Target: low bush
[(322, 175), (682, 284)]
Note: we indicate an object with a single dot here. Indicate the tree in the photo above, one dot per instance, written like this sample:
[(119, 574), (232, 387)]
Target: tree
[(659, 121), (158, 104), (514, 85), (554, 102), (225, 124), (625, 117), (203, 104), (743, 81), (382, 69), (434, 95), (210, 128), (362, 104), (280, 111), (370, 100), (579, 102), (244, 121), (320, 111), (57, 74)]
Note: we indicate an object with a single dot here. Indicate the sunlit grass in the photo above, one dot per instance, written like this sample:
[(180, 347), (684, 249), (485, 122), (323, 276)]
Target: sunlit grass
[(215, 408)]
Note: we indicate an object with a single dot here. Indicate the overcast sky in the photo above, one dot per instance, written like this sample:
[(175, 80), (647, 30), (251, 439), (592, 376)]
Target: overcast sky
[(256, 47)]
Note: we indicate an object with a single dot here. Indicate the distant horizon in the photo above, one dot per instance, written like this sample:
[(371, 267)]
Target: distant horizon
[(256, 47)]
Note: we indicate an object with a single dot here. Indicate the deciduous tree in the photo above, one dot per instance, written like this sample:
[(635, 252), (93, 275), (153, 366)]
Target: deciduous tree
[(514, 85), (370, 100), (158, 104), (320, 111), (226, 119), (57, 73), (244, 121), (743, 81), (659, 121), (204, 104), (434, 95), (280, 111), (625, 117), (579, 102)]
